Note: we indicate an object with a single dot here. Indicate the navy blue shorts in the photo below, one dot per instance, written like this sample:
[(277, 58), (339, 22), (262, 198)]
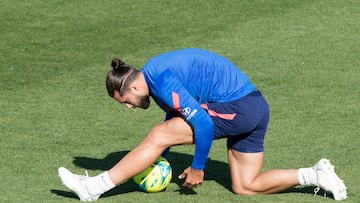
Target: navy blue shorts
[(243, 122)]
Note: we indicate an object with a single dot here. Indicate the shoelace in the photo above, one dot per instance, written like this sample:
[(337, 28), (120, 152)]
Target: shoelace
[(316, 190), (82, 177)]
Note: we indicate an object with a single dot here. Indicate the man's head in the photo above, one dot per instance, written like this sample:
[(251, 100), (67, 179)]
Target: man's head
[(127, 85)]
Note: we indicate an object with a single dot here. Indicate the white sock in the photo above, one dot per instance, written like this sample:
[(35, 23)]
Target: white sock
[(99, 184), (307, 176)]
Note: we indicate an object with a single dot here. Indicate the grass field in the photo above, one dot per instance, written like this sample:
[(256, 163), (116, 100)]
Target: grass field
[(304, 55)]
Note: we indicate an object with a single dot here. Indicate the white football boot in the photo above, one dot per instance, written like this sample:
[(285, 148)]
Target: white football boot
[(328, 180), (76, 183)]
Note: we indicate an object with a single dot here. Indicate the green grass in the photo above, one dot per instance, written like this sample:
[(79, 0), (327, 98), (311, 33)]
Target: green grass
[(54, 55)]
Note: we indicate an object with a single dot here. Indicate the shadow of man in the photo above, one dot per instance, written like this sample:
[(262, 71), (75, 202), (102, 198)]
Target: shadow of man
[(215, 170)]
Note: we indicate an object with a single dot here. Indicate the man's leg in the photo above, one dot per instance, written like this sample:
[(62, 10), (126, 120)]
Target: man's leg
[(172, 132), (247, 179)]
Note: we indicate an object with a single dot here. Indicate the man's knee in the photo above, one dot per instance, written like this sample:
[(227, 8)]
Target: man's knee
[(172, 132), (157, 136), (242, 190)]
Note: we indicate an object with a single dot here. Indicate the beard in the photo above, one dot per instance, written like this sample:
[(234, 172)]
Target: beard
[(144, 102)]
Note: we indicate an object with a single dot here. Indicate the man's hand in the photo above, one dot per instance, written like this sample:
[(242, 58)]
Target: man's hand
[(193, 177)]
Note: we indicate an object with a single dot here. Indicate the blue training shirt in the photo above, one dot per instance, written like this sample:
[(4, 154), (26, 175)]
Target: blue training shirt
[(181, 81)]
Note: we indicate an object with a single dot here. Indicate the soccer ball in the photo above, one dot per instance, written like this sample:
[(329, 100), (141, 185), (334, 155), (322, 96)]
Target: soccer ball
[(155, 178)]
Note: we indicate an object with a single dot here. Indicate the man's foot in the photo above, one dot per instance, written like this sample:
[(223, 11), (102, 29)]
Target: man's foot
[(328, 180), (76, 183)]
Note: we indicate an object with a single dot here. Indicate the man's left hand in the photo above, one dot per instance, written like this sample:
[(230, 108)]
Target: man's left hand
[(193, 177)]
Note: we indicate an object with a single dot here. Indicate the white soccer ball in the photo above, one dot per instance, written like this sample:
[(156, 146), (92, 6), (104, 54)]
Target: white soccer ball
[(155, 178)]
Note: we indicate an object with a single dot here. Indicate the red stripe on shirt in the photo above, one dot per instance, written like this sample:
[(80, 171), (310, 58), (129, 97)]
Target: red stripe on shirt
[(219, 115), (176, 101)]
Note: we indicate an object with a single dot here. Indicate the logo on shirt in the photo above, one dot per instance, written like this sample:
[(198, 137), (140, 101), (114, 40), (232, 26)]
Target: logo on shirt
[(188, 113)]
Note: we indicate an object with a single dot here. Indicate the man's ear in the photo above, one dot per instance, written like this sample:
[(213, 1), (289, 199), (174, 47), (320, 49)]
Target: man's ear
[(134, 88), (139, 86)]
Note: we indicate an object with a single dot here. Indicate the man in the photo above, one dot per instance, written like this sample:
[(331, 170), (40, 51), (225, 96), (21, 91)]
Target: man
[(205, 97)]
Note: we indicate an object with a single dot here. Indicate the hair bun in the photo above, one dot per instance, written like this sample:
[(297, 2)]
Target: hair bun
[(117, 64)]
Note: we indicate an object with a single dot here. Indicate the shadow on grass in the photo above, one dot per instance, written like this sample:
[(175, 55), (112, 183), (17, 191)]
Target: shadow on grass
[(215, 170), (308, 190)]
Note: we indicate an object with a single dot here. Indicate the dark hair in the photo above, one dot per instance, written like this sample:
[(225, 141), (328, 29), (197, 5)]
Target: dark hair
[(120, 77)]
